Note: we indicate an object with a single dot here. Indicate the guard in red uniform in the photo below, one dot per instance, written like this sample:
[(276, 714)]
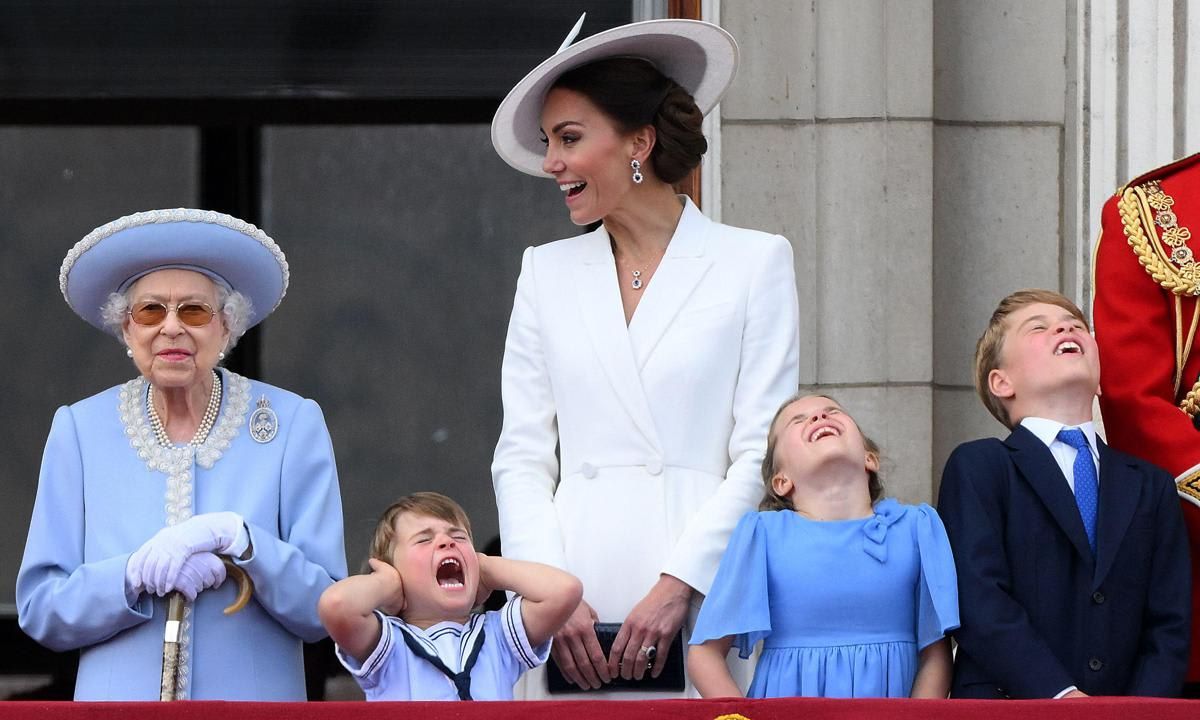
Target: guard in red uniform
[(1146, 315)]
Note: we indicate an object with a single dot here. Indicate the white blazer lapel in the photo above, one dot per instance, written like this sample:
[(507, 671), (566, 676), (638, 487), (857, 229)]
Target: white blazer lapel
[(604, 321), (680, 271)]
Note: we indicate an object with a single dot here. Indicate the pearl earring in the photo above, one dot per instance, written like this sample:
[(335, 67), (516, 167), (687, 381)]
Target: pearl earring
[(128, 352), (220, 356), (637, 171)]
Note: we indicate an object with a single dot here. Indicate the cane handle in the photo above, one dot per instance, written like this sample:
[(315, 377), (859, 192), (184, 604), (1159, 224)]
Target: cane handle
[(245, 585)]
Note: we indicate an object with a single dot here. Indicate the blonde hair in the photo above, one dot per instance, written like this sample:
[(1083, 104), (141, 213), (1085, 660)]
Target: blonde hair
[(774, 501), (991, 343), (430, 504)]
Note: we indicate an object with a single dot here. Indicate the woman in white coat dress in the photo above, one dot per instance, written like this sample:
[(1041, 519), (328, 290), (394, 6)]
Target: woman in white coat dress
[(652, 351)]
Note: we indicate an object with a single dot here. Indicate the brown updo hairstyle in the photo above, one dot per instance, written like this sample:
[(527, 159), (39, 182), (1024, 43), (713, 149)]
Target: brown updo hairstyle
[(633, 93), (774, 501)]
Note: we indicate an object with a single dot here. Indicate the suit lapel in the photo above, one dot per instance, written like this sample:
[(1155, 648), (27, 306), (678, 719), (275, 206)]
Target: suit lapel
[(1039, 469), (604, 321), (1118, 501), (681, 269)]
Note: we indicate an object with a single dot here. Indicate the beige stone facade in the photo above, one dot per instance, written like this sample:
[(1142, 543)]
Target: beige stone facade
[(927, 157)]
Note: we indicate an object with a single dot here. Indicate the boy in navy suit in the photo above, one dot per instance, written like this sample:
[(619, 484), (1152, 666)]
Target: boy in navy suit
[(1072, 559)]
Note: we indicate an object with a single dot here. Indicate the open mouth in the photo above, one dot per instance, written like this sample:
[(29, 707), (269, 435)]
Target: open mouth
[(1068, 347), (572, 189), (450, 573), (823, 432)]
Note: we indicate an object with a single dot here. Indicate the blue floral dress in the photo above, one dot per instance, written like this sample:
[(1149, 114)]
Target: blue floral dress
[(843, 607)]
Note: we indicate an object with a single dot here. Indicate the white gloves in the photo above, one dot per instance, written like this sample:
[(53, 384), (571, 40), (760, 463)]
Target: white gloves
[(182, 557), (199, 572)]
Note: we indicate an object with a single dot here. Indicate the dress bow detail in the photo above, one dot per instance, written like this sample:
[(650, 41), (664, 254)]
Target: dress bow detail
[(887, 512)]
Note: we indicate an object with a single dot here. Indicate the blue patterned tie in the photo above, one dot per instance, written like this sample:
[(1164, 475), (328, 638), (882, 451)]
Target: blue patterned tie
[(1086, 493)]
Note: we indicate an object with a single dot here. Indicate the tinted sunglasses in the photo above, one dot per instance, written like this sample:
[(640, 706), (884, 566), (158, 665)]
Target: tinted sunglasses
[(192, 314)]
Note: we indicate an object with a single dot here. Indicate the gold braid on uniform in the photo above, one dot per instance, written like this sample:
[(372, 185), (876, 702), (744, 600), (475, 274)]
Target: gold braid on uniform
[(1141, 210), (1144, 209), (1177, 272), (1191, 402)]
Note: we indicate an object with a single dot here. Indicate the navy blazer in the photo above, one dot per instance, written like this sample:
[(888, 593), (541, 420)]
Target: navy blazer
[(1038, 612)]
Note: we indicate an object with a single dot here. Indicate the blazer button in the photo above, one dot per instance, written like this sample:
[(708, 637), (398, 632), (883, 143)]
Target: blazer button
[(1098, 597), (588, 470), (654, 467), (1095, 664)]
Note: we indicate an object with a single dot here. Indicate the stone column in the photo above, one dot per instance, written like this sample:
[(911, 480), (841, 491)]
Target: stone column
[(827, 137), (1000, 118)]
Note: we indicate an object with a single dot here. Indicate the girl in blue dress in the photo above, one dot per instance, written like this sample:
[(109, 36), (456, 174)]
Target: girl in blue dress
[(851, 595)]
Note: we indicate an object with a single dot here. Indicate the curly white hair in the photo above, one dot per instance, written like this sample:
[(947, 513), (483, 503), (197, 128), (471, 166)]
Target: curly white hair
[(235, 308)]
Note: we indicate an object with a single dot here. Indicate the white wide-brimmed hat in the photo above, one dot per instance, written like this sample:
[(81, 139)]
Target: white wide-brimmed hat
[(232, 252), (699, 56)]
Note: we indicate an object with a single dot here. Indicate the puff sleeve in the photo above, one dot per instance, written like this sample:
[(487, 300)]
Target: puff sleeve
[(738, 603), (937, 589)]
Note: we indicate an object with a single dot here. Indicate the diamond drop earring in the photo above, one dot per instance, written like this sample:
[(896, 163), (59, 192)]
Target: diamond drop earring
[(637, 171)]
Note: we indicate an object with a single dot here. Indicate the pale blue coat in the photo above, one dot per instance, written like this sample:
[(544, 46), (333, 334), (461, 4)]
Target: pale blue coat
[(98, 501)]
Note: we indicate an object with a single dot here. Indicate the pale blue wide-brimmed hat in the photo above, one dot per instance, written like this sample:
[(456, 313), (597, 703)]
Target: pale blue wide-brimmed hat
[(700, 56), (232, 252)]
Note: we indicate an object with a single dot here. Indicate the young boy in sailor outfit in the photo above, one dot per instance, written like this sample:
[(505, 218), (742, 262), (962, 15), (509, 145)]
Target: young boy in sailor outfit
[(405, 631)]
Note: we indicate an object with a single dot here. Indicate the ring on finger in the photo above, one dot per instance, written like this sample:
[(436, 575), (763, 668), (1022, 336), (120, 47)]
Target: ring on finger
[(650, 652)]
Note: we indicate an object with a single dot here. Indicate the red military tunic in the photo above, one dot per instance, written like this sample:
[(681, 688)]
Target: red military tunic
[(1146, 313)]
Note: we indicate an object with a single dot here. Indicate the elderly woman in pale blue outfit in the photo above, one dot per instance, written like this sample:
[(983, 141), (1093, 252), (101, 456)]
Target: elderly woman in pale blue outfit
[(151, 487)]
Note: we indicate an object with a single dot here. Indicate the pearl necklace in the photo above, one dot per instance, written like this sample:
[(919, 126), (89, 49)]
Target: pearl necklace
[(206, 422)]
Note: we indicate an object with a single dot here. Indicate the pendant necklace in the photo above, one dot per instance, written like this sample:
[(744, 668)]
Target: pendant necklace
[(637, 283)]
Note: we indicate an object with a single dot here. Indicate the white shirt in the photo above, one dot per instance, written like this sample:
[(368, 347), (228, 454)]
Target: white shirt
[(1047, 431)]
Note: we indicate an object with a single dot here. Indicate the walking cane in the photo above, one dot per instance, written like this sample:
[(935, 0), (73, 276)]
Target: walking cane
[(175, 602)]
